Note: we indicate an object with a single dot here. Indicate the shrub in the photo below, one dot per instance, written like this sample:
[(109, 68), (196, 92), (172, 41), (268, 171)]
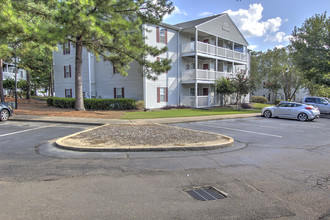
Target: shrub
[(168, 107), (259, 99), (245, 106), (277, 101), (140, 105), (94, 104)]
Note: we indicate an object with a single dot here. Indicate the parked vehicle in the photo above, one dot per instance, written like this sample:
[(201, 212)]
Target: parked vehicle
[(303, 112), (5, 111), (322, 104)]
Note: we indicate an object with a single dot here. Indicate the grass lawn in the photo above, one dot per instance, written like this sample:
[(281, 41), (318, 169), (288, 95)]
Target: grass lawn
[(259, 106), (183, 113)]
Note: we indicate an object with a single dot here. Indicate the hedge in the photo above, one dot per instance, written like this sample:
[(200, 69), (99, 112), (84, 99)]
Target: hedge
[(259, 99), (94, 104)]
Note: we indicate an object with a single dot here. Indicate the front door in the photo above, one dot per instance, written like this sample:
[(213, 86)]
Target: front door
[(205, 66), (205, 91)]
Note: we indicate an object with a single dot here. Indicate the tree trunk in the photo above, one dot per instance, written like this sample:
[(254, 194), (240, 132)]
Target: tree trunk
[(28, 91), (2, 97), (79, 105)]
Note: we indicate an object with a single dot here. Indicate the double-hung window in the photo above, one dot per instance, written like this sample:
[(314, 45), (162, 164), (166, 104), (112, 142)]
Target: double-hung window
[(66, 48), (162, 94), (161, 35), (119, 93), (67, 71), (68, 93)]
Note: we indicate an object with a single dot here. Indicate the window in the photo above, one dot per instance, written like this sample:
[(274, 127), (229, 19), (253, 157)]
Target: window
[(162, 94), (66, 48), (114, 70), (160, 60), (67, 71), (161, 35), (68, 93), (192, 91), (21, 72), (118, 93), (310, 100)]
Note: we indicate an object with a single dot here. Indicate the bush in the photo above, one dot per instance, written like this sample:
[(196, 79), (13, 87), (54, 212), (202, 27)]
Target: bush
[(94, 104), (169, 107), (259, 99), (277, 101), (140, 105), (245, 106)]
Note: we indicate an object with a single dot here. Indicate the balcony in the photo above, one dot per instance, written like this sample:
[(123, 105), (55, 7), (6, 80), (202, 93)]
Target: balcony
[(213, 50), (203, 75), (202, 101)]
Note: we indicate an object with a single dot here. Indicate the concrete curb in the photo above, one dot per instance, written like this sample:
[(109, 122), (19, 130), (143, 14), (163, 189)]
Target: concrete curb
[(61, 143)]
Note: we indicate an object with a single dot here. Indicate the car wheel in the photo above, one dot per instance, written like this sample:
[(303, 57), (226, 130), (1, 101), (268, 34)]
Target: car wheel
[(4, 115), (267, 114), (303, 117)]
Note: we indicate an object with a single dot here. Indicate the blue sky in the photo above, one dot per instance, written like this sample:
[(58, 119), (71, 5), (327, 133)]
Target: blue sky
[(265, 23)]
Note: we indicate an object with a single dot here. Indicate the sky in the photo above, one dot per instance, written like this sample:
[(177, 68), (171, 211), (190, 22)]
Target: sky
[(265, 24)]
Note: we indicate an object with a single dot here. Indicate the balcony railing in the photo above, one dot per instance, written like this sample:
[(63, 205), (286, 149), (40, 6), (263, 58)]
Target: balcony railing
[(210, 49), (208, 75), (202, 101)]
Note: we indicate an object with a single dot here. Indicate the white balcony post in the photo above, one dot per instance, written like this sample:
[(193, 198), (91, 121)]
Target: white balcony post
[(196, 68), (216, 45)]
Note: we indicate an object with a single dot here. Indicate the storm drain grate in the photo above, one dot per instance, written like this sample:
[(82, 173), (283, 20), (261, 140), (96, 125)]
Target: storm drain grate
[(206, 194)]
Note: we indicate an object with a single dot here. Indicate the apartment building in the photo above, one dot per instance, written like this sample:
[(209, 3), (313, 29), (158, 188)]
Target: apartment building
[(8, 70), (201, 51)]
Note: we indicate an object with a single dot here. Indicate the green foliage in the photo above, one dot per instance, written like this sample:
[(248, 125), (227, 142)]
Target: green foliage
[(311, 43), (94, 104), (277, 101), (242, 85), (259, 99), (22, 84), (225, 87), (9, 84)]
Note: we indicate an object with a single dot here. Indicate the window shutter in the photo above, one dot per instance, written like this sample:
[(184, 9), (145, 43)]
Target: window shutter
[(70, 71), (64, 72), (158, 95), (157, 35), (70, 93), (122, 92), (64, 93), (114, 93), (114, 69), (166, 94), (165, 36), (63, 49), (69, 49), (158, 59)]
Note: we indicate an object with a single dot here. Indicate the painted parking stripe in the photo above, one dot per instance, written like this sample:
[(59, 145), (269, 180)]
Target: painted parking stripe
[(272, 127), (234, 129), (32, 129)]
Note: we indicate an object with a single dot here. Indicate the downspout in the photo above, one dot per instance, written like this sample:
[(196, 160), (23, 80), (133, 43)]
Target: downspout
[(89, 76), (144, 83), (178, 68)]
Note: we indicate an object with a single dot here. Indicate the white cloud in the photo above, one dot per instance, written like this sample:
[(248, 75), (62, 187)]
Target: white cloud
[(279, 46), (252, 47), (176, 11), (250, 24), (206, 14), (278, 37)]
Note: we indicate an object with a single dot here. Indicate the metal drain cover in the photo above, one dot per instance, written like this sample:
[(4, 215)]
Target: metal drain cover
[(206, 193)]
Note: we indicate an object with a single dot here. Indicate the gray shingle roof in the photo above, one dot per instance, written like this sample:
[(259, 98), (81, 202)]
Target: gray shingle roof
[(193, 23)]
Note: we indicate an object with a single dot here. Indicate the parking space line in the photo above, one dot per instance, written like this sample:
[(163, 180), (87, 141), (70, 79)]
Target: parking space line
[(272, 127), (32, 129), (234, 129)]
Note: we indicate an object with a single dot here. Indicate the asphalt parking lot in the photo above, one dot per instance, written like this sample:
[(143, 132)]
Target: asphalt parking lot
[(277, 168)]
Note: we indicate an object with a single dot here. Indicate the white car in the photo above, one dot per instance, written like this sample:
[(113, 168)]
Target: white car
[(295, 110)]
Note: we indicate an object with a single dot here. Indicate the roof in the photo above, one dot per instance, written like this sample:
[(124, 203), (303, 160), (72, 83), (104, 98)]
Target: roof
[(196, 22)]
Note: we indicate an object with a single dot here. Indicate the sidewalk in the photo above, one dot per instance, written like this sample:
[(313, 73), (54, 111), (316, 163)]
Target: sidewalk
[(103, 121)]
